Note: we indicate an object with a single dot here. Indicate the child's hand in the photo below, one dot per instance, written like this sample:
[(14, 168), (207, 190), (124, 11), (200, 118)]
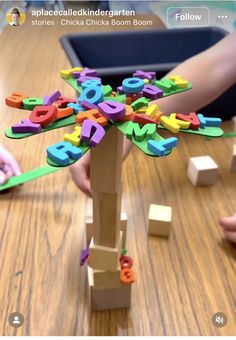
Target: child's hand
[(228, 225), (8, 165), (80, 173)]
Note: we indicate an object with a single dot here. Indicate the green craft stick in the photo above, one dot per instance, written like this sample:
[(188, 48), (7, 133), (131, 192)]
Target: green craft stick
[(165, 85), (229, 134), (28, 176), (166, 94), (120, 98), (57, 124), (73, 83), (84, 148), (142, 145), (209, 131)]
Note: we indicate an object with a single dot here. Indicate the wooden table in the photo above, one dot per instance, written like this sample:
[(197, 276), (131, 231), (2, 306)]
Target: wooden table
[(181, 282)]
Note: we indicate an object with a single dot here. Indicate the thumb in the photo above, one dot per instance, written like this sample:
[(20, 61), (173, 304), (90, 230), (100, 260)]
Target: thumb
[(228, 223)]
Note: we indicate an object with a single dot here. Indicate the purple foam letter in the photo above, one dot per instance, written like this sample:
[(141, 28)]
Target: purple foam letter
[(49, 100), (112, 110), (152, 92), (91, 132), (26, 126)]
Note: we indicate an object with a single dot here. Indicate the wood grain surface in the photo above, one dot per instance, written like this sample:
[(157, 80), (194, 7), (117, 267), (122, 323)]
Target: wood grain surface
[(181, 281)]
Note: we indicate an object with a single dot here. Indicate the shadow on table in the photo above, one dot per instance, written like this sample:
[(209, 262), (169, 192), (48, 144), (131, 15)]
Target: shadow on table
[(228, 247)]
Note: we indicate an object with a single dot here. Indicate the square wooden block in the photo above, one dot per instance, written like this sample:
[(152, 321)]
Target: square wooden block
[(105, 258), (123, 227), (202, 170), (233, 159), (105, 299), (104, 279), (159, 220)]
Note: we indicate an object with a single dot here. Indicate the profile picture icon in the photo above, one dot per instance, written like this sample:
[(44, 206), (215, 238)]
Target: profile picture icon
[(15, 17)]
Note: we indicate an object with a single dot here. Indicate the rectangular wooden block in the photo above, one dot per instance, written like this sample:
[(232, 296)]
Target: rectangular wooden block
[(202, 170), (105, 299), (105, 258), (233, 159), (159, 220), (106, 163), (89, 228), (105, 279), (123, 227), (106, 218)]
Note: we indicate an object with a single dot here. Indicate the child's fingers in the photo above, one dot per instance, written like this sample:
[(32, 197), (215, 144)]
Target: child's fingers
[(230, 235), (80, 176), (11, 162), (7, 169), (85, 187), (6, 158), (3, 177), (228, 223)]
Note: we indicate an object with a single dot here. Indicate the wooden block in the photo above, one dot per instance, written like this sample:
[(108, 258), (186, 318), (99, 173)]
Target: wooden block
[(123, 227), (89, 229), (105, 258), (104, 299), (105, 279), (159, 220), (106, 163), (202, 170), (233, 160), (106, 218)]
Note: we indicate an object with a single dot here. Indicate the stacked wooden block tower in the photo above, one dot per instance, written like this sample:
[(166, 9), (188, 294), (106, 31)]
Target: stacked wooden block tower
[(107, 291)]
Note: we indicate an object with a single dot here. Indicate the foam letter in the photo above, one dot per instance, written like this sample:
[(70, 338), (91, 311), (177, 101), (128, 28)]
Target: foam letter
[(91, 132), (62, 152), (160, 148), (26, 126), (43, 115), (112, 110)]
